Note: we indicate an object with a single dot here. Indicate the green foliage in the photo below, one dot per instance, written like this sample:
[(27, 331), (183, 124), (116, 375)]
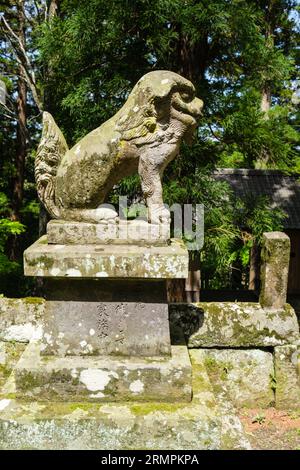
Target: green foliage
[(259, 418), (249, 135), (232, 226), (7, 229), (231, 229)]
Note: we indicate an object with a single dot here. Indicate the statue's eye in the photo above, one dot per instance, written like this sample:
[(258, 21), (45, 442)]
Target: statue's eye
[(186, 96)]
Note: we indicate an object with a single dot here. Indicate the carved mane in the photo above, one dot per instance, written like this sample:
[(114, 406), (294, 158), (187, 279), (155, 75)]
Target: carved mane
[(150, 103)]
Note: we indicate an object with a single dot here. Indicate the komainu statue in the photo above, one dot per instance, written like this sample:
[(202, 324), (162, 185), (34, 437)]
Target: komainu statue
[(143, 136)]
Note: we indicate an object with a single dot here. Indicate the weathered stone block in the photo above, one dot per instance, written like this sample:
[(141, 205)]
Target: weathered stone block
[(103, 379), (206, 324), (248, 375), (106, 317), (2, 354), (143, 233), (91, 328), (101, 261), (287, 374), (138, 232), (198, 424), (233, 324), (275, 258), (232, 434), (20, 319)]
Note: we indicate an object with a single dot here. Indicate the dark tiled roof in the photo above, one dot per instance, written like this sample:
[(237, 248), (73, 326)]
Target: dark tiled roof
[(283, 191)]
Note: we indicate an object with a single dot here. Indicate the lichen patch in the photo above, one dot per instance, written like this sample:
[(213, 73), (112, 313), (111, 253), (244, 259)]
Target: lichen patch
[(136, 386)]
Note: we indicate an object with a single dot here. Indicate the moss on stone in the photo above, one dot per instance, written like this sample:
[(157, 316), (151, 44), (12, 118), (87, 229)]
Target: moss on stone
[(274, 269), (147, 408), (218, 369), (33, 300), (5, 371), (43, 240), (237, 324), (44, 262), (27, 382)]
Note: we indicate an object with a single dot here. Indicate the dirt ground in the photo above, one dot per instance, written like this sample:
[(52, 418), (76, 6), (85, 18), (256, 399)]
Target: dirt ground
[(271, 429)]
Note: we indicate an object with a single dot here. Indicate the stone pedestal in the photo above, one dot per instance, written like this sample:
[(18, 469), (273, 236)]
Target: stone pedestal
[(275, 258), (106, 333), (119, 232), (106, 261), (103, 378), (106, 316)]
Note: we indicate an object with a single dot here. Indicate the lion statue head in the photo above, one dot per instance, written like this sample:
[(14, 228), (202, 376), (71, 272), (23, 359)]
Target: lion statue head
[(160, 101)]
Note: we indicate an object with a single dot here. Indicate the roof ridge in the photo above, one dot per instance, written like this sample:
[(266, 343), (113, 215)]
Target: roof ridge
[(252, 171)]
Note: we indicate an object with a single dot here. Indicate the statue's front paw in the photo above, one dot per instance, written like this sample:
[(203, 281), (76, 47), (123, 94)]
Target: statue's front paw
[(159, 215)]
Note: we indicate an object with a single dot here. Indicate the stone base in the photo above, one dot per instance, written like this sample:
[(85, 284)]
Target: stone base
[(103, 379), (234, 324), (102, 261), (246, 374), (106, 317), (203, 423), (120, 232)]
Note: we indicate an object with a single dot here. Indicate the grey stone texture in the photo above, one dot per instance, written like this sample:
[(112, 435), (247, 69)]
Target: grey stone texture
[(101, 261), (144, 136), (103, 379), (106, 317), (207, 324), (287, 374), (275, 257), (247, 375), (21, 319), (233, 324), (2, 354), (203, 423), (134, 232)]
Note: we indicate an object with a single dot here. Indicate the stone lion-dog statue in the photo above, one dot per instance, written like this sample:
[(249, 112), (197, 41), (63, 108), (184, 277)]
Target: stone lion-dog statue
[(143, 136)]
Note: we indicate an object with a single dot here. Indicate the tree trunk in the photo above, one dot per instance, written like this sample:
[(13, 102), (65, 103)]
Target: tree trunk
[(18, 183), (265, 104), (265, 101), (254, 271), (52, 9), (192, 58)]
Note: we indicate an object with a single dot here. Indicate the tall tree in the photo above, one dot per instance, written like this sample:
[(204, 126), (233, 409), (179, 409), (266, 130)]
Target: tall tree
[(16, 137), (18, 186)]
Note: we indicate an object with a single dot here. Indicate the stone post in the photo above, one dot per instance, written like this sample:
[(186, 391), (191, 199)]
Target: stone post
[(275, 258)]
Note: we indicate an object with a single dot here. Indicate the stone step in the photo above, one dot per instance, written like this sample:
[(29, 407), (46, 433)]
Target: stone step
[(104, 378), (204, 423)]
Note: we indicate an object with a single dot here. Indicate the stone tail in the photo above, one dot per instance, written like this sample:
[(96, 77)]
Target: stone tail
[(51, 149)]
